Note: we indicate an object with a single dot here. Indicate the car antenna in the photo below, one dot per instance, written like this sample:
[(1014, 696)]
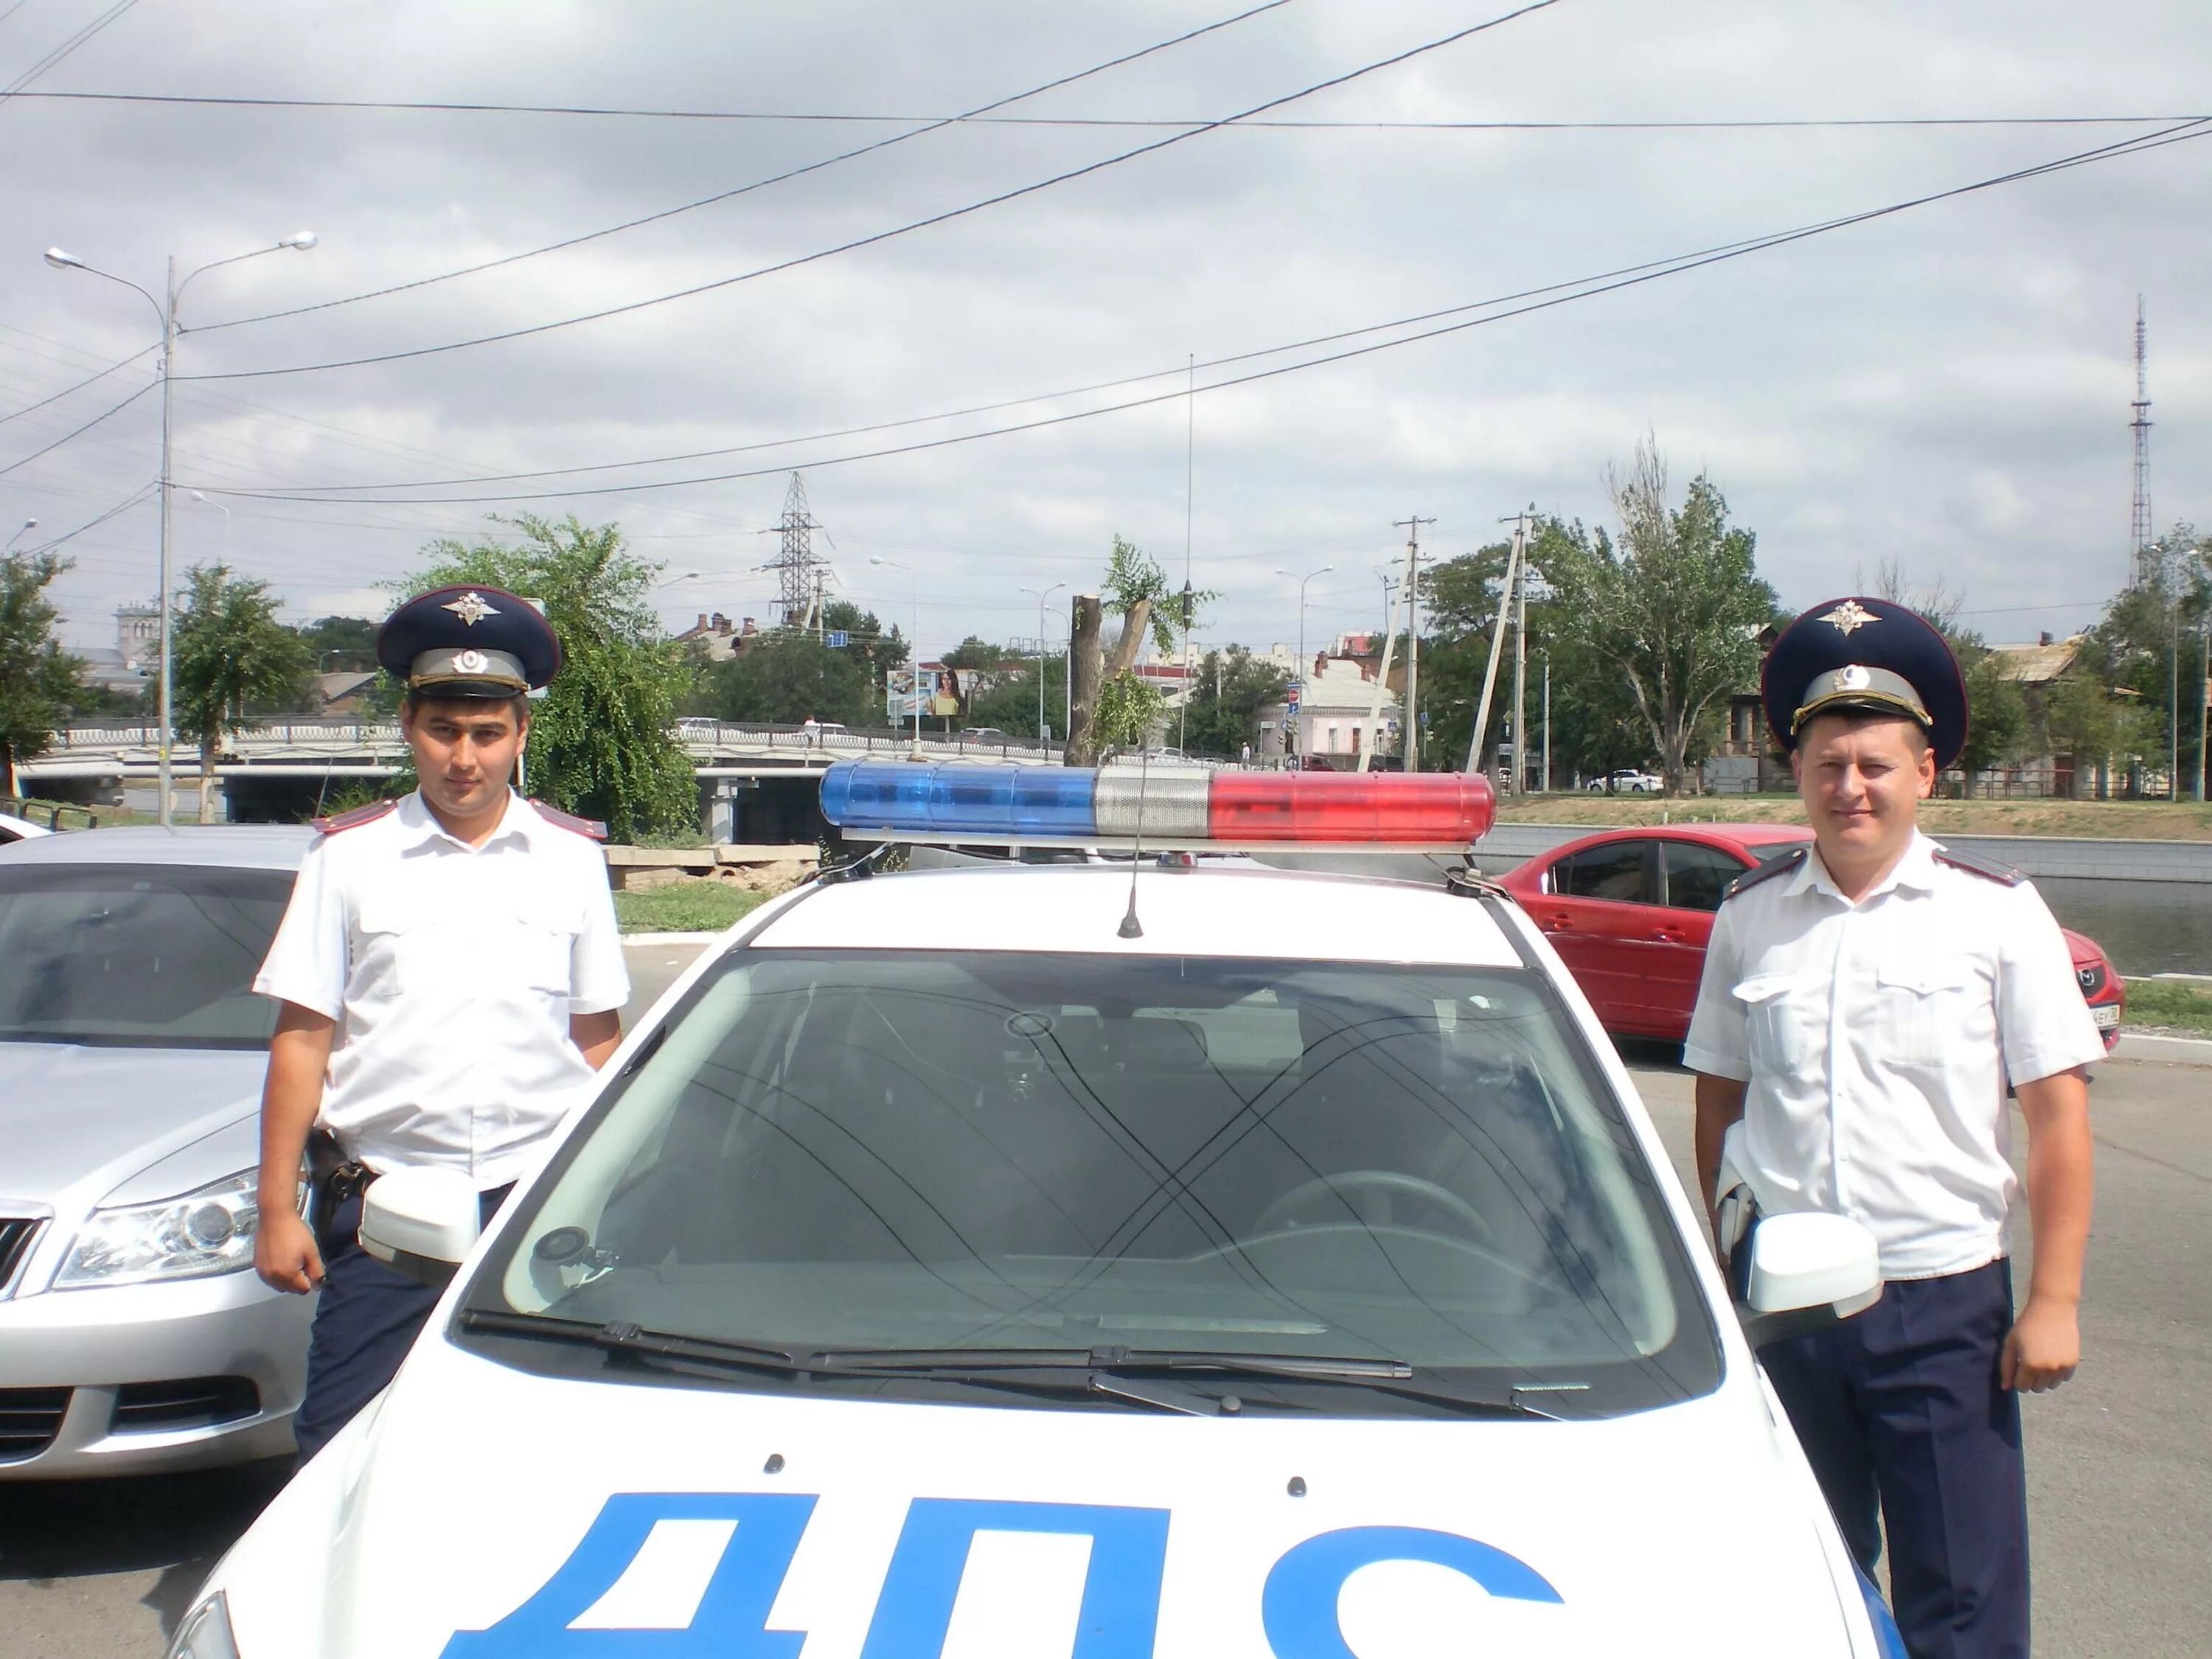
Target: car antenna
[(1131, 927)]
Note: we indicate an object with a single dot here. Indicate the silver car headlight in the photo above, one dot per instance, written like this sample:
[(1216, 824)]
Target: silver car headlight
[(205, 1633), (202, 1233)]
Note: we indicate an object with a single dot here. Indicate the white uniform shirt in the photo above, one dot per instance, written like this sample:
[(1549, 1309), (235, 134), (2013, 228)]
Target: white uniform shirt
[(1877, 1037), (452, 972)]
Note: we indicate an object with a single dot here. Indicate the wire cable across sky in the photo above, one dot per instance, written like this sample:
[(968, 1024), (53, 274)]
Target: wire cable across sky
[(929, 124), (911, 226), (1554, 295)]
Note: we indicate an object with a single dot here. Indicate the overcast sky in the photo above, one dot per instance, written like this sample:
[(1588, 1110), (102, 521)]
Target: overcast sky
[(1946, 386)]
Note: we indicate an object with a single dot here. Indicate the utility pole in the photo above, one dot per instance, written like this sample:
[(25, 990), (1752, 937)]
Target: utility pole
[(1411, 527), (1506, 590), (2139, 531), (1548, 723), (1520, 595)]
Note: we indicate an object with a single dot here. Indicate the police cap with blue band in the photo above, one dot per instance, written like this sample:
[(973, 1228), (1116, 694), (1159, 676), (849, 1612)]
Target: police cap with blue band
[(1868, 655), (468, 642)]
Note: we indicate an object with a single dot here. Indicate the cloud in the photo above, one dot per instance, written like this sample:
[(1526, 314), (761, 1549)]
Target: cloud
[(1947, 388)]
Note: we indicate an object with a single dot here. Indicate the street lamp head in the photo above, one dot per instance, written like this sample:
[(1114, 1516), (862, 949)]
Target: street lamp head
[(303, 241), (61, 261), (28, 524), (1324, 570)]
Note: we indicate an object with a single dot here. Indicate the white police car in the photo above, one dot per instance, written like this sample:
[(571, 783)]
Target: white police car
[(1090, 1262)]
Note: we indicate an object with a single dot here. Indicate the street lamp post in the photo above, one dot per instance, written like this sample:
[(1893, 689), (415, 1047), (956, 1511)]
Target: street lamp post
[(29, 524), (1302, 664), (167, 314), (1041, 598), (914, 670)]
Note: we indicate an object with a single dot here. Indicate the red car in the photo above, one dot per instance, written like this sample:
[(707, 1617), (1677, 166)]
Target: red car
[(1630, 911)]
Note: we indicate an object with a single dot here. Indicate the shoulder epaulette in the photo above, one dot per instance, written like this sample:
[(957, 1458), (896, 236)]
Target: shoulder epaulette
[(1781, 865), (1987, 869), (343, 821), (590, 829)]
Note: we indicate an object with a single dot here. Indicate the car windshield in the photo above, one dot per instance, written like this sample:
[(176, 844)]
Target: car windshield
[(911, 1151), (156, 956)]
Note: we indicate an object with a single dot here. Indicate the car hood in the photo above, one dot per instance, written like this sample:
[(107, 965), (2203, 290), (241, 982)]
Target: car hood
[(516, 1510), (78, 1124)]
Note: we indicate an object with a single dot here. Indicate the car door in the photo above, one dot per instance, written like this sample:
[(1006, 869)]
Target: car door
[(1597, 911), (1694, 876)]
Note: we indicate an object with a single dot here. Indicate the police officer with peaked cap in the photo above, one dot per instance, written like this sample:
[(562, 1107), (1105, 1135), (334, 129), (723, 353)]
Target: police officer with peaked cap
[(450, 977), (1866, 1003)]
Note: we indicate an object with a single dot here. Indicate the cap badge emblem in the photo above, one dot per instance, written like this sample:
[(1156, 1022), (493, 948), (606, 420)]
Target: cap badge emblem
[(1851, 677), (472, 662), (1848, 616), (471, 609)]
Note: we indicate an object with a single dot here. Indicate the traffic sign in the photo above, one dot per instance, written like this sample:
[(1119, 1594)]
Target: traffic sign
[(837, 639)]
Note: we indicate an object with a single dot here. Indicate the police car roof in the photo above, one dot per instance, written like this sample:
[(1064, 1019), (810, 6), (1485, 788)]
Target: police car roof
[(1077, 909), (227, 846)]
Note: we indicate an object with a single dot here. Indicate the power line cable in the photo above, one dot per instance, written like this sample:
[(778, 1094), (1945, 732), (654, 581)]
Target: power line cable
[(871, 240), (981, 118), (12, 10), (141, 494), (28, 408), (64, 49), (112, 409), (1702, 255), (929, 126), (1583, 289)]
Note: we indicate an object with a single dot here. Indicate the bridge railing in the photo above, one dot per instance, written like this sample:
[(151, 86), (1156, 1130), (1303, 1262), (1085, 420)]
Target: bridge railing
[(697, 737)]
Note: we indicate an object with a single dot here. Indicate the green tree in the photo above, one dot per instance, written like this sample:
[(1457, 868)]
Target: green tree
[(1011, 704), (787, 677), (2147, 642), (230, 659), (39, 680), (1230, 687), (878, 650), (1136, 590), (974, 652), (598, 740), (1675, 609), (341, 644)]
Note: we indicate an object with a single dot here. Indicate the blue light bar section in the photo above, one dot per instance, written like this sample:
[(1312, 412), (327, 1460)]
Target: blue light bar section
[(951, 798)]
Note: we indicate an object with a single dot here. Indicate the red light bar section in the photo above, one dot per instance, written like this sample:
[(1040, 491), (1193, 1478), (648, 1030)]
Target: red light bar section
[(1449, 808)]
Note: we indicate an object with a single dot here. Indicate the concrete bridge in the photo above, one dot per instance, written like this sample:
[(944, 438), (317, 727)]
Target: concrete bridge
[(756, 783)]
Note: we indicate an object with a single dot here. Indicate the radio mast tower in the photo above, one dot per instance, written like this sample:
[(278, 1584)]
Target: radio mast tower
[(798, 578), (2139, 530)]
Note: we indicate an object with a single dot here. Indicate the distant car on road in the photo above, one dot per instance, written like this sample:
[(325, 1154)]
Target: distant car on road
[(13, 830), (1630, 911), (134, 1336), (984, 734), (1629, 782)]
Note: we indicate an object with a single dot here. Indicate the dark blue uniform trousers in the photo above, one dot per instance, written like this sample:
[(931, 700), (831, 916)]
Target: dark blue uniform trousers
[(369, 1316), (1899, 1408)]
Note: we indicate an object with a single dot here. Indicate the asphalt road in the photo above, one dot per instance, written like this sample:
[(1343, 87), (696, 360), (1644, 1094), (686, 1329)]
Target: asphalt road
[(2120, 1461)]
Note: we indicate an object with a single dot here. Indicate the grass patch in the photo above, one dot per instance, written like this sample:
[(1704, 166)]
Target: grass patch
[(690, 907), (2170, 1004)]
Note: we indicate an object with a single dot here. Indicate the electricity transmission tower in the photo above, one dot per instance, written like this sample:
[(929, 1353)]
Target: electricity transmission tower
[(798, 579), (2139, 530)]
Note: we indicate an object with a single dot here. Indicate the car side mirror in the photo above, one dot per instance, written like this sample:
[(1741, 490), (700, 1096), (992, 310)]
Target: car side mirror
[(423, 1222), (1807, 1270)]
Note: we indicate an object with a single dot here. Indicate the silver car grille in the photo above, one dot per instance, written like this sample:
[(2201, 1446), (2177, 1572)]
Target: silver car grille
[(16, 1233)]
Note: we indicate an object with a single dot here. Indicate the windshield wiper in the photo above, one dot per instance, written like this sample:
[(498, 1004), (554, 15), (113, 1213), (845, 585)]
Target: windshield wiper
[(621, 1338), (1393, 1376)]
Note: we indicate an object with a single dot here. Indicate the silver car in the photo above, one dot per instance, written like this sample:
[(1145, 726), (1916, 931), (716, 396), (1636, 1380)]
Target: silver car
[(134, 1334)]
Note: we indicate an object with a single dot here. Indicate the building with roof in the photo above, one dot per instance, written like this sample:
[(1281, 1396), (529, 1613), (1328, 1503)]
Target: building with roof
[(1338, 716)]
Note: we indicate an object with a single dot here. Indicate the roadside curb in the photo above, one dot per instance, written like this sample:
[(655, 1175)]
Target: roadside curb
[(706, 938), (2164, 1050)]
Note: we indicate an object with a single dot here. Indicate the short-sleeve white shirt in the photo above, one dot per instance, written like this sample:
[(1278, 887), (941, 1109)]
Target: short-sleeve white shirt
[(452, 972), (1876, 1039)]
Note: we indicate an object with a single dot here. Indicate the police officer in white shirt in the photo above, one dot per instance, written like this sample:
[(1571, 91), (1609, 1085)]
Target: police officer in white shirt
[(1865, 1006), (451, 976)]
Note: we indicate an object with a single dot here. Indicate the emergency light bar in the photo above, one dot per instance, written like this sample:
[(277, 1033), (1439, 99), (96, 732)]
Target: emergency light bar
[(1162, 806)]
